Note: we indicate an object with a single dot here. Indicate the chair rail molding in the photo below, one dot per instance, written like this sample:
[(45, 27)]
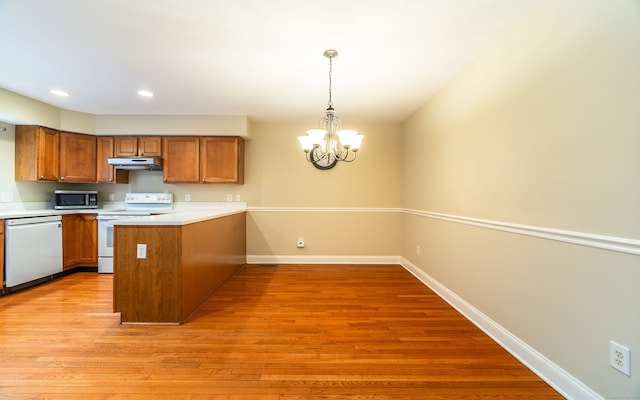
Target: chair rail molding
[(614, 243)]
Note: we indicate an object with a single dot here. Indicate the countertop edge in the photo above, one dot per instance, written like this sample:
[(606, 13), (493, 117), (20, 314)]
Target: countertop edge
[(43, 213), (178, 217), (181, 215)]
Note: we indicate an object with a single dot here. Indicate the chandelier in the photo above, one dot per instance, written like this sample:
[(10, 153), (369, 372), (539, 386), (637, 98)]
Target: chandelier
[(327, 145)]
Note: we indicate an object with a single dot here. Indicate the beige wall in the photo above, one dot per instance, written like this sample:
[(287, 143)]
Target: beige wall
[(233, 125), (282, 181), (541, 131), (355, 208), (18, 109)]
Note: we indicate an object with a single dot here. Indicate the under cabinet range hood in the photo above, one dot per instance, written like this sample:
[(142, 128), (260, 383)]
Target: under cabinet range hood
[(137, 163)]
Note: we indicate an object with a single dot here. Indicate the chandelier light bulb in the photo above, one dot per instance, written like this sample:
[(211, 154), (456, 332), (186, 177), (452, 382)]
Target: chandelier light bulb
[(306, 142)]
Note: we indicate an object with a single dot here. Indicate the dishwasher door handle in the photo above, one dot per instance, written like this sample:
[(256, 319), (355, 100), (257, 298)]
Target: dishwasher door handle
[(33, 220)]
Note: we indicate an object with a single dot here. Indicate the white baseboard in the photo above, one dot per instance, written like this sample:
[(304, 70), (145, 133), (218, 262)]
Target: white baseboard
[(559, 379), (269, 259)]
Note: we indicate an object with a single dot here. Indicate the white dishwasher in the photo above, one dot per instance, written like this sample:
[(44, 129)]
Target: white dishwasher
[(33, 249)]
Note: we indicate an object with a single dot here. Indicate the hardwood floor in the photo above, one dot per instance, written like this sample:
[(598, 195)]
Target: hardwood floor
[(272, 332)]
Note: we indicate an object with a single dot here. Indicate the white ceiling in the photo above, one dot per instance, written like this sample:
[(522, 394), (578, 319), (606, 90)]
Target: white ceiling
[(259, 58)]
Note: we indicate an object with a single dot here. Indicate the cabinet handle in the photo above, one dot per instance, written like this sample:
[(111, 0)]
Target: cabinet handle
[(42, 177), (62, 178)]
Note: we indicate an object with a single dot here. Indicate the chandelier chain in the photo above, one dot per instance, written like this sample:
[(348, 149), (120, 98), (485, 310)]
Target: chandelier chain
[(330, 68)]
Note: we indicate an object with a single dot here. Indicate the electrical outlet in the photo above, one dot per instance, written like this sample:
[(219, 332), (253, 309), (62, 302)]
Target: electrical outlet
[(142, 250), (620, 357), (6, 197), (417, 250), (112, 196), (237, 197), (229, 197), (300, 243), (187, 197)]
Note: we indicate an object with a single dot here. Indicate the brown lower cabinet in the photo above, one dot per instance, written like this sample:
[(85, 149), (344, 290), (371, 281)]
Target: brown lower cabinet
[(183, 267), (79, 240)]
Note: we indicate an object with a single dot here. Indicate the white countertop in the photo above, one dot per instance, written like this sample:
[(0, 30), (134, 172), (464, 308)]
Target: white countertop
[(42, 212), (185, 216), (181, 214)]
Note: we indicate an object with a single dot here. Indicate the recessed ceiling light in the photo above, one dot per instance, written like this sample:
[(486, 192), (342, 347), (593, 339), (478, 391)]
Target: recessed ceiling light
[(145, 93), (61, 93)]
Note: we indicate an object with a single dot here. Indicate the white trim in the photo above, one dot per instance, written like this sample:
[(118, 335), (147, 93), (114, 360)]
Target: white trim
[(624, 245), (559, 379), (326, 209), (285, 259)]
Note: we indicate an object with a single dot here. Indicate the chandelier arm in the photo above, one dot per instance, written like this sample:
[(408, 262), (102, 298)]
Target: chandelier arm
[(316, 155), (345, 158)]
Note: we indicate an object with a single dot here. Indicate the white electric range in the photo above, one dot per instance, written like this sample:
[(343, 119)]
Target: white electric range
[(136, 205)]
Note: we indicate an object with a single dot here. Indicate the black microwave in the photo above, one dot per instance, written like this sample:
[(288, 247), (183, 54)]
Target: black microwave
[(72, 199)]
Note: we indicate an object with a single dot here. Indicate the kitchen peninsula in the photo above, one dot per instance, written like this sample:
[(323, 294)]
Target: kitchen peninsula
[(166, 266)]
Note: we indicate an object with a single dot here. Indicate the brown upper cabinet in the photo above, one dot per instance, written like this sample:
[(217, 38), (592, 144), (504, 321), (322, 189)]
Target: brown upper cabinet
[(138, 146), (77, 157), (44, 154), (37, 153), (106, 173), (221, 159), (181, 159), (204, 159)]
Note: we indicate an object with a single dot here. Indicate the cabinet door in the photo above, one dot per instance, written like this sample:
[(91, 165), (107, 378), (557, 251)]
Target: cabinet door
[(88, 240), (79, 240), (221, 159), (138, 146), (126, 146), (181, 159), (77, 157), (107, 173), (48, 154), (150, 146), (36, 152), (70, 243)]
